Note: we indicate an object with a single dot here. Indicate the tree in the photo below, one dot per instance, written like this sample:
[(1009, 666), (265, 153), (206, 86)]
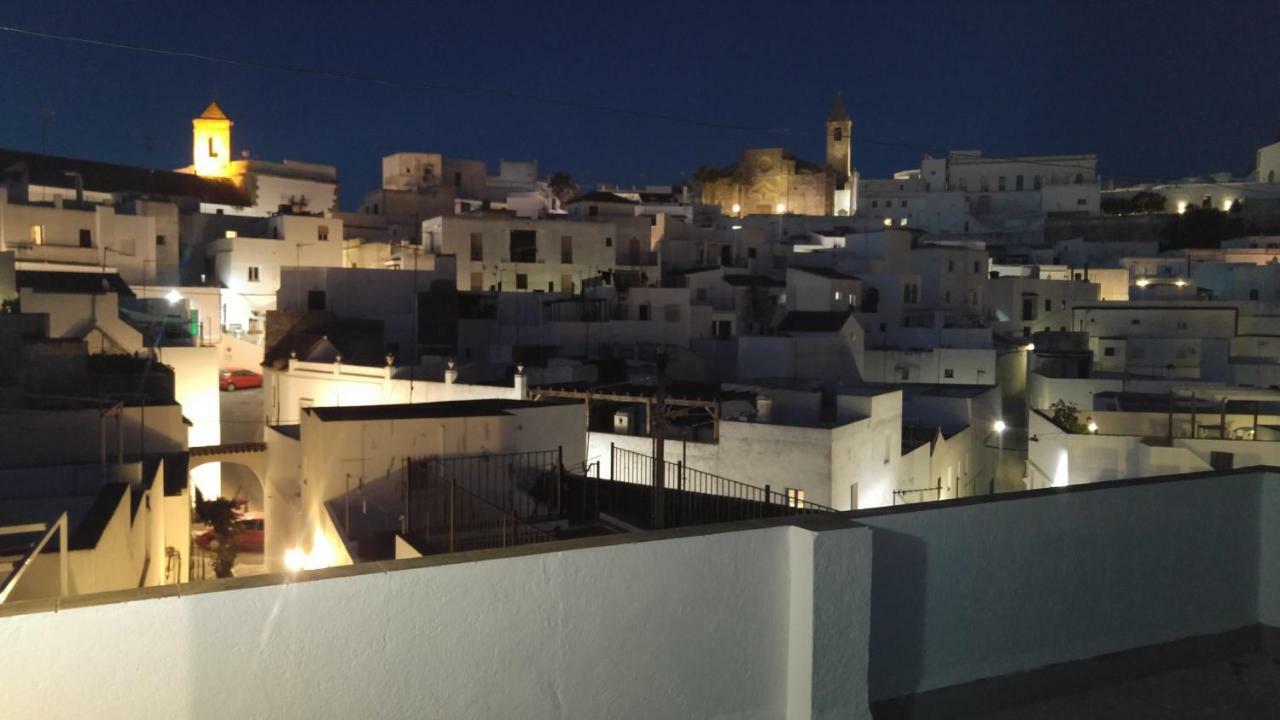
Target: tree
[(562, 186), (222, 515), (1067, 416)]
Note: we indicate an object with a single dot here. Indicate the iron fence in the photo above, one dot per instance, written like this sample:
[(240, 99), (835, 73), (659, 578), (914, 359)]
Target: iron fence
[(483, 501)]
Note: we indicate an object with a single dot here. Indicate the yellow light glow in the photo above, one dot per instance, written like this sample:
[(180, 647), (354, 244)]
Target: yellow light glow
[(295, 559), (1093, 426), (999, 426), (736, 208), (173, 296), (1030, 347), (322, 555), (1142, 282), (888, 222), (1182, 206), (1180, 283), (781, 208), (1226, 205)]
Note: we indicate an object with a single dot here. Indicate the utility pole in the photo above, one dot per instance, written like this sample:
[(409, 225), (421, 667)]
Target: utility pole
[(658, 426)]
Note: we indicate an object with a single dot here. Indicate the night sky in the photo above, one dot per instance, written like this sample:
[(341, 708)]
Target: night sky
[(1163, 89)]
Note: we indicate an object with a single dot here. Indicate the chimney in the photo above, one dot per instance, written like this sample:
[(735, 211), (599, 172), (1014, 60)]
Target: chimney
[(451, 374), (521, 383)]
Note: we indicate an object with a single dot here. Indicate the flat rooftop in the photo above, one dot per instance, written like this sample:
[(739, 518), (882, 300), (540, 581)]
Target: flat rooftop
[(416, 411)]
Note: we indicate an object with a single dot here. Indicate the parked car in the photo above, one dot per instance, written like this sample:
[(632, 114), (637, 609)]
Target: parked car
[(232, 380), (250, 537)]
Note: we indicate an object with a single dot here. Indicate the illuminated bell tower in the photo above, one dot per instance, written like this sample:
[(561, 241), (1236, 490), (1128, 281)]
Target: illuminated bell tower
[(211, 153), (839, 158)]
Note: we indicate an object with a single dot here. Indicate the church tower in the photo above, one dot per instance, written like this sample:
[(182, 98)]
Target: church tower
[(211, 153), (839, 159)]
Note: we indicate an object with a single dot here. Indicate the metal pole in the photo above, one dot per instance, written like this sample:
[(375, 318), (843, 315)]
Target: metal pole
[(659, 426)]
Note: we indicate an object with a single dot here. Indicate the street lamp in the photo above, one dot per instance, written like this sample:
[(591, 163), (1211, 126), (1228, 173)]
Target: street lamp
[(781, 208), (999, 427), (1092, 425), (174, 297)]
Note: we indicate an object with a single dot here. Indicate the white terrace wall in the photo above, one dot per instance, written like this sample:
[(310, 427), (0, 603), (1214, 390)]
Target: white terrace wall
[(971, 591), (743, 623)]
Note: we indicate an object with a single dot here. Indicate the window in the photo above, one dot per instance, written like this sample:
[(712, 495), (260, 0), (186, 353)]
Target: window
[(946, 297), (315, 300), (608, 242), (322, 233), (1079, 178), (551, 286), (875, 203), (948, 373), (477, 281), (1017, 183), (1135, 321), (910, 293), (643, 310), (904, 203), (722, 329), (477, 247), (951, 266), (837, 295), (160, 240), (1253, 294), (1000, 183), (524, 246), (700, 294), (253, 273), (1035, 182), (1048, 305), (213, 152), (903, 222), (838, 135), (751, 253), (1082, 201), (1182, 324), (1028, 309), (37, 234), (86, 238), (795, 497), (982, 184), (522, 281), (671, 312), (566, 249), (593, 210), (977, 266), (973, 298), (566, 283), (457, 180)]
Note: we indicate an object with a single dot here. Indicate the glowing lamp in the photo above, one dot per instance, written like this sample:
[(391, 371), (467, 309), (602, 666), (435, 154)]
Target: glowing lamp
[(736, 208), (1142, 282), (888, 222), (999, 426), (781, 208), (1030, 347), (1180, 283), (1093, 426), (173, 296)]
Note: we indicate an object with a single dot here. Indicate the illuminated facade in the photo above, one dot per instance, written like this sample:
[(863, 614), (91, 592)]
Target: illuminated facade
[(211, 149), (772, 181)]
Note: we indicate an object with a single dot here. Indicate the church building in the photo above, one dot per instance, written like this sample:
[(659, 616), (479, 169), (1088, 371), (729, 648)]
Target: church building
[(774, 181)]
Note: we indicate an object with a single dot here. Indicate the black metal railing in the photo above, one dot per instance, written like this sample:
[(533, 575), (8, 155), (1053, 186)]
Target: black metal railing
[(483, 501), (633, 467)]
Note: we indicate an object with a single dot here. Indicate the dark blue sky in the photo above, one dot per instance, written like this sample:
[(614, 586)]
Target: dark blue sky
[(1165, 88)]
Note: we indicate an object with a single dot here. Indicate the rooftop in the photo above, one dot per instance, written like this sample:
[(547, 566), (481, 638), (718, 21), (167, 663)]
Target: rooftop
[(54, 171), (419, 411)]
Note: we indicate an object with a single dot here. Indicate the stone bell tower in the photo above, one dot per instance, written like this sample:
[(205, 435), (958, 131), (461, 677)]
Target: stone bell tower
[(839, 160), (211, 152)]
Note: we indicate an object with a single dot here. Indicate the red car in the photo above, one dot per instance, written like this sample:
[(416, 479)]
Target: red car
[(250, 537), (232, 380)]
